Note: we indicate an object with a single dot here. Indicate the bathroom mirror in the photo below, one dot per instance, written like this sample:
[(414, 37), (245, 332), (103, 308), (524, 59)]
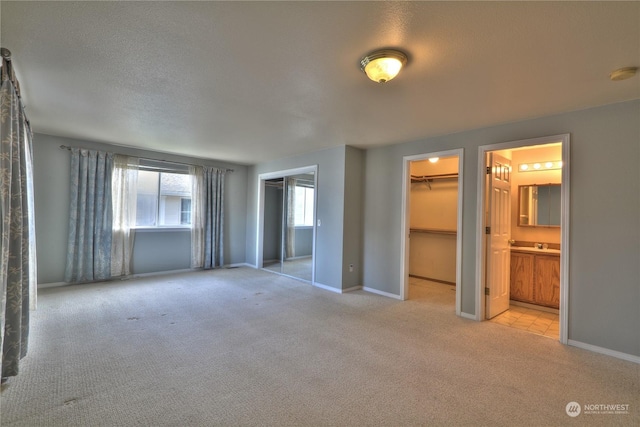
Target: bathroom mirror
[(539, 205)]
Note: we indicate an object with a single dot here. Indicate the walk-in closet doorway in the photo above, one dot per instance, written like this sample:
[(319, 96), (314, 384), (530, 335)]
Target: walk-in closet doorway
[(431, 223)]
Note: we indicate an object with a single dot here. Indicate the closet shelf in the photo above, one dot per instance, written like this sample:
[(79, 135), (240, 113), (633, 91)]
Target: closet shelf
[(427, 178), (433, 231)]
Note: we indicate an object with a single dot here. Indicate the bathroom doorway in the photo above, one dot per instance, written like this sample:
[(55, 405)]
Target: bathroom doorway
[(522, 267), (432, 216), (286, 223)]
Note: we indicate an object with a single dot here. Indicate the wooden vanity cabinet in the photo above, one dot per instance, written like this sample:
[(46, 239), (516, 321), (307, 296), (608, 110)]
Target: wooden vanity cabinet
[(546, 280), (535, 278), (522, 277)]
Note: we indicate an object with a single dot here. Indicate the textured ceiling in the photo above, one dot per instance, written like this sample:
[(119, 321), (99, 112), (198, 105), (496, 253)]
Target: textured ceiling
[(253, 81)]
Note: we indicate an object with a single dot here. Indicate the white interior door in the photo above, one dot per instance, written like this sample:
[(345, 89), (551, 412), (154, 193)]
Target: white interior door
[(499, 233)]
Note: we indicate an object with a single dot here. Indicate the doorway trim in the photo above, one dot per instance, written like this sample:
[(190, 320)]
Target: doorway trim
[(564, 139), (406, 223), (260, 221)]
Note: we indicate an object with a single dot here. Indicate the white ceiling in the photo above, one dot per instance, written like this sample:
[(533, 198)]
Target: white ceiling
[(253, 81)]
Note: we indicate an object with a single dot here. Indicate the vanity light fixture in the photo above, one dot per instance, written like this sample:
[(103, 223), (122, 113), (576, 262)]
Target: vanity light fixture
[(383, 65), (540, 166)]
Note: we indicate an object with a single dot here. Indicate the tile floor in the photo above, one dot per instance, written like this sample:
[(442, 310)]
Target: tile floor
[(528, 319), (535, 321)]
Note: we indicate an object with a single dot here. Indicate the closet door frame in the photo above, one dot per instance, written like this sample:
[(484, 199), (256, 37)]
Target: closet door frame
[(406, 223), (260, 225)]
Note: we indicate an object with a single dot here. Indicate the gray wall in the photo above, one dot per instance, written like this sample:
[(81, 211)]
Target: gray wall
[(153, 250), (353, 213), (604, 267), (330, 198), (161, 251)]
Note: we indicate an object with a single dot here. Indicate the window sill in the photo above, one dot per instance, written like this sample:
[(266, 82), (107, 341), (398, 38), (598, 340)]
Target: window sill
[(160, 229)]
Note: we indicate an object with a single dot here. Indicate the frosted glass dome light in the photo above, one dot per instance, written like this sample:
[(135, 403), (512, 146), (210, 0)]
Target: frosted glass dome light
[(383, 65)]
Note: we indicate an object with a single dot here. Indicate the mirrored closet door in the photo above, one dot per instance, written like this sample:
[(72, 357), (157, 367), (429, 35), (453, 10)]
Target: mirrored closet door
[(288, 226)]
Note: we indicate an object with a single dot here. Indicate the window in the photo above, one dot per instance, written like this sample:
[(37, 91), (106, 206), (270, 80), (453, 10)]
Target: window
[(185, 211), (163, 199), (304, 198)]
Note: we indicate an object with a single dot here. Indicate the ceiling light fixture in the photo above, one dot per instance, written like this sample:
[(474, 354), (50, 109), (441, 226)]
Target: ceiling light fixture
[(383, 65), (623, 73), (434, 159)]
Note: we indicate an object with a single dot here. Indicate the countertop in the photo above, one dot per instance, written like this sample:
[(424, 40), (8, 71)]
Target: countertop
[(536, 250)]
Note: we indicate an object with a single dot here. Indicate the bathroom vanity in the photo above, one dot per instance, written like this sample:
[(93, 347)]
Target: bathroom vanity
[(535, 276)]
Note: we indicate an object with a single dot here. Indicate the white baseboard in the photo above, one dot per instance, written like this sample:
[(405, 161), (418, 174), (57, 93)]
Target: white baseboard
[(156, 273), (351, 289), (327, 287), (606, 351), (239, 264), (298, 257), (53, 285), (63, 284), (468, 316), (383, 293), (117, 278)]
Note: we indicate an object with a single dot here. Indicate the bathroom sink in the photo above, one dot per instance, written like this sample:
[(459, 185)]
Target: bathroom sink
[(535, 250)]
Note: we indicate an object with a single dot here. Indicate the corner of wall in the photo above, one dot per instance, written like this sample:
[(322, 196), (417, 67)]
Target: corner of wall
[(352, 218)]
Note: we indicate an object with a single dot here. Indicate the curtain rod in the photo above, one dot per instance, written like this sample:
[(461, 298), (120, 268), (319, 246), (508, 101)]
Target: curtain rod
[(7, 72), (66, 147)]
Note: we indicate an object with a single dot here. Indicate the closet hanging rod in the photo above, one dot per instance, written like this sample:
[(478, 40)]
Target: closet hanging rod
[(440, 176), (433, 231), (66, 147)]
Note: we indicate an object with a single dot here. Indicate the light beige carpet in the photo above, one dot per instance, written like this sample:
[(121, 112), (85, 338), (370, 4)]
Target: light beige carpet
[(246, 347)]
